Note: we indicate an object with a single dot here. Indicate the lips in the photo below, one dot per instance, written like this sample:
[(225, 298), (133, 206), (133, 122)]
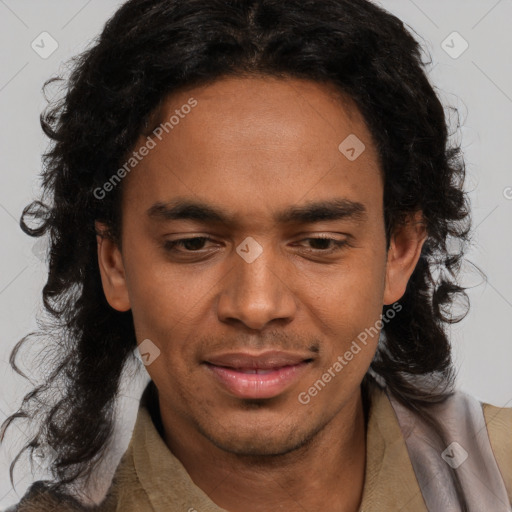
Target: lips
[(253, 376), (265, 361)]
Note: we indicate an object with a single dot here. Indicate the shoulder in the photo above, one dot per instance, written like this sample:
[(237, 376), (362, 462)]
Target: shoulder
[(39, 498), (499, 427)]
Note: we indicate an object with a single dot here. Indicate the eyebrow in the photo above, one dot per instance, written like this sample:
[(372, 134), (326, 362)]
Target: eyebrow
[(311, 212)]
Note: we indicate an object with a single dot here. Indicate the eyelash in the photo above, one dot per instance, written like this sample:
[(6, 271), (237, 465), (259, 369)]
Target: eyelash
[(170, 245)]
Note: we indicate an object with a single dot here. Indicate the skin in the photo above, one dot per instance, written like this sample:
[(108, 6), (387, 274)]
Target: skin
[(256, 146)]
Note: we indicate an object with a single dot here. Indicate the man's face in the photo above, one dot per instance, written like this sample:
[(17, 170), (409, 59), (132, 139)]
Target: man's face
[(253, 149)]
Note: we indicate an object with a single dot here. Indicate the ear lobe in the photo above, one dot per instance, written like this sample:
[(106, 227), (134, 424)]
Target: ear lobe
[(404, 252), (112, 272)]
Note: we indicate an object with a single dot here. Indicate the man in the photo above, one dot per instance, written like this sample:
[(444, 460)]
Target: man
[(259, 195)]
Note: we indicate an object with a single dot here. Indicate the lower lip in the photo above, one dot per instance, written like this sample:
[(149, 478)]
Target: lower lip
[(257, 385)]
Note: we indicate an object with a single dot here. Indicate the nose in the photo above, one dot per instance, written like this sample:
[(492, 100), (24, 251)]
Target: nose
[(257, 294)]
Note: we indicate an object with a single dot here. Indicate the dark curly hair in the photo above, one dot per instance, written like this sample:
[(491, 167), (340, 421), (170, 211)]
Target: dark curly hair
[(152, 48)]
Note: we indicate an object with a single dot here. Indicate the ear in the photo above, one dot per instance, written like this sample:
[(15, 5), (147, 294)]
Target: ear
[(111, 266), (403, 254)]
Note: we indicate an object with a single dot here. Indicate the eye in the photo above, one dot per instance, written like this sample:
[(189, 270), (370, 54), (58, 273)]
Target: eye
[(189, 244), (327, 245), (322, 245)]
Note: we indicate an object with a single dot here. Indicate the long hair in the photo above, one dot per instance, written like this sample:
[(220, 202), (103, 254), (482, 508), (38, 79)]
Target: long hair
[(152, 48)]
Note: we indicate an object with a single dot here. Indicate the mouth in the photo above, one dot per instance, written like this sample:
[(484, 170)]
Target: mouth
[(262, 376)]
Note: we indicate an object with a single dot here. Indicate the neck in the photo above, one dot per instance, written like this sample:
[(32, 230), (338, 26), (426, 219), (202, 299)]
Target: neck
[(331, 464)]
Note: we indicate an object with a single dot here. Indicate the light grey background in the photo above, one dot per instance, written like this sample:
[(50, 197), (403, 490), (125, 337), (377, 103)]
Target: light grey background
[(479, 82)]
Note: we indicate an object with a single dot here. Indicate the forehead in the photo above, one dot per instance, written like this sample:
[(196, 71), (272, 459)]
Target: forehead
[(257, 145)]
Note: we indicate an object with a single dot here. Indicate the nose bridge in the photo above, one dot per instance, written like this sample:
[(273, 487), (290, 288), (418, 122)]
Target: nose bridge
[(254, 292)]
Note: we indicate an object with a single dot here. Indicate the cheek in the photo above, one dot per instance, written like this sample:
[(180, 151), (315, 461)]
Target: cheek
[(354, 286), (346, 303), (163, 295)]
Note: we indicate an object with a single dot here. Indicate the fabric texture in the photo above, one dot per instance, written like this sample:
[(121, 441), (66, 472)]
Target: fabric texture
[(150, 478), (457, 452)]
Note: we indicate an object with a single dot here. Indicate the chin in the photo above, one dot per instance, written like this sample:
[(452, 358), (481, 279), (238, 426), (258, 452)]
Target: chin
[(262, 442)]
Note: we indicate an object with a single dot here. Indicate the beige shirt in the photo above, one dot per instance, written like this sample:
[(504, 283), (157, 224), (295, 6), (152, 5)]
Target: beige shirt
[(150, 478)]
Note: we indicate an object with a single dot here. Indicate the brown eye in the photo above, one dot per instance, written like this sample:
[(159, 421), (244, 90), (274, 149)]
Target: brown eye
[(189, 244), (326, 245)]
